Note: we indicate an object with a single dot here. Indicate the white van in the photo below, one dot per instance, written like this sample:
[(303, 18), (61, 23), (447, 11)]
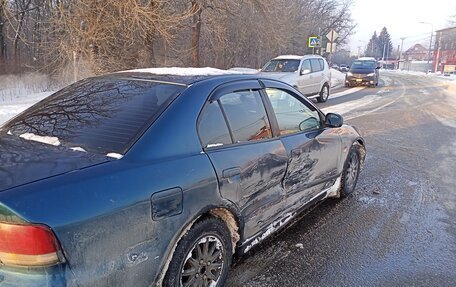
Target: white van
[(309, 74)]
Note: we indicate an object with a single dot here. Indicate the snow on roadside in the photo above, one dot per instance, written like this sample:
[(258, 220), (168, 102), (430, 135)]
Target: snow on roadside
[(346, 107), (20, 91), (337, 78), (451, 78), (11, 106)]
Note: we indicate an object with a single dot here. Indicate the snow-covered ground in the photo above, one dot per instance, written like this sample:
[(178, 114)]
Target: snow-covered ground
[(450, 78), (18, 92), (11, 106)]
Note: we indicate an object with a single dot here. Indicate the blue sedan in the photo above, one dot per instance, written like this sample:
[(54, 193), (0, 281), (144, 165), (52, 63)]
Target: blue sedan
[(144, 179)]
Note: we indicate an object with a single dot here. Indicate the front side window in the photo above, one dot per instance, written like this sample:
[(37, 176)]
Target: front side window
[(306, 68), (212, 128), (292, 115), (246, 116)]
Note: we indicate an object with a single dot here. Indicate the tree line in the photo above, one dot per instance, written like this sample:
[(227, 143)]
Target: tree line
[(85, 37)]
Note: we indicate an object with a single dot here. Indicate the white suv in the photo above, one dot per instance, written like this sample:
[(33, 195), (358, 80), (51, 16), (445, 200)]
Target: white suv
[(309, 74)]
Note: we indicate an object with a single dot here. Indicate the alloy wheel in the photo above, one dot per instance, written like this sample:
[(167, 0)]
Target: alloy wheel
[(351, 172), (204, 263)]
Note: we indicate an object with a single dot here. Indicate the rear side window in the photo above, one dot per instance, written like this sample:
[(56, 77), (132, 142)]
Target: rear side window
[(102, 115), (212, 128), (322, 63), (316, 67), (246, 116)]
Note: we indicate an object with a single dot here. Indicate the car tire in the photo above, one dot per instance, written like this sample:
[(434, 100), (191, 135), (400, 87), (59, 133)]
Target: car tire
[(202, 257), (324, 94), (352, 168)]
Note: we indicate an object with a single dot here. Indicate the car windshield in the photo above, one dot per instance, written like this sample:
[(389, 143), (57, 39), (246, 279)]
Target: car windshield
[(282, 65), (102, 115), (363, 65)]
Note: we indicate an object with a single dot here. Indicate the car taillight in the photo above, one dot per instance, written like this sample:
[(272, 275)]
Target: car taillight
[(28, 245)]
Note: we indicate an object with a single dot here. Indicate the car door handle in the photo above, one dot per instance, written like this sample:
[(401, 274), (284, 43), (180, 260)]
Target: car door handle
[(231, 172), (295, 152)]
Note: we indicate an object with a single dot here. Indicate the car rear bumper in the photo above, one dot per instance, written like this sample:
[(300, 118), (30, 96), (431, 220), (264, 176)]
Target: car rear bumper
[(55, 276)]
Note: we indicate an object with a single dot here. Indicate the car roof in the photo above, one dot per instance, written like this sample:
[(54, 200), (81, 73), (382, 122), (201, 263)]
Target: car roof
[(296, 57), (366, 59), (179, 76)]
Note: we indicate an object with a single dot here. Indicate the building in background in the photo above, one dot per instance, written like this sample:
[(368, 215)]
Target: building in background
[(444, 59), (416, 58), (416, 53)]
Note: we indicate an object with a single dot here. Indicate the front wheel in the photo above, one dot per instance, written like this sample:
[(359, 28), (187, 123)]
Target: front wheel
[(202, 257), (324, 94), (351, 171)]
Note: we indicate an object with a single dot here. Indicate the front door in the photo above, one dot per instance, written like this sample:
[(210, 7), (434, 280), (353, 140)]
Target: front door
[(305, 78), (313, 150), (250, 164)]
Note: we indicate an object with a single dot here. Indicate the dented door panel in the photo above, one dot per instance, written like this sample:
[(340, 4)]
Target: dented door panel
[(313, 161), (257, 188)]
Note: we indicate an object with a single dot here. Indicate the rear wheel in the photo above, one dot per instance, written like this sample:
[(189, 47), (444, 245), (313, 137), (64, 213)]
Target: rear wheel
[(351, 171), (202, 257), (324, 94)]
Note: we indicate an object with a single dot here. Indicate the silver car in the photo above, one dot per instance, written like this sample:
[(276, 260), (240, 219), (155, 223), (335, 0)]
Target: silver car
[(309, 74)]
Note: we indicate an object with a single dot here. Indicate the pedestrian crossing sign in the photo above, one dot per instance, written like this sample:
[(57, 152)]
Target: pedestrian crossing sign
[(314, 42)]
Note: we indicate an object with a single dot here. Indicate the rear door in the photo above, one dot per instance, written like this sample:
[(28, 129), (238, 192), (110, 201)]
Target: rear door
[(317, 75), (313, 150), (236, 134)]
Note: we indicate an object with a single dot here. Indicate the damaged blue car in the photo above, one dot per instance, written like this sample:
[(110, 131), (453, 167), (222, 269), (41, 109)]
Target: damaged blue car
[(144, 179)]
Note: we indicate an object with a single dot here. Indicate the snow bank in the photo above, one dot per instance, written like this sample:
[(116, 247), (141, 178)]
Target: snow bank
[(13, 86), (14, 105), (337, 78), (207, 71), (18, 92)]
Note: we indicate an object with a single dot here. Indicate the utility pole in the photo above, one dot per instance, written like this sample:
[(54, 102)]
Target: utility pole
[(436, 67), (400, 53)]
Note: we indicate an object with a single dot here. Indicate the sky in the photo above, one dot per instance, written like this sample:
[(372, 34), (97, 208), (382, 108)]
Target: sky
[(401, 18)]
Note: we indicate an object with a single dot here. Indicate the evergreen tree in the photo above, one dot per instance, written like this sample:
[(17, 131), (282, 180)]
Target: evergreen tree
[(371, 49), (379, 44), (384, 42)]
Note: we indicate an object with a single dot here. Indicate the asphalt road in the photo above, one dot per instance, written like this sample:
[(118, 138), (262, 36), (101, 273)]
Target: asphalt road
[(399, 227)]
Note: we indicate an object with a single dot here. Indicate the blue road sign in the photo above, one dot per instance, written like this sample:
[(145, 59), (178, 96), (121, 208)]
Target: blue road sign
[(314, 42)]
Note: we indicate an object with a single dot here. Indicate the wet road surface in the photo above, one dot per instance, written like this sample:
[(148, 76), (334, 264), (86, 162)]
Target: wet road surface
[(399, 227)]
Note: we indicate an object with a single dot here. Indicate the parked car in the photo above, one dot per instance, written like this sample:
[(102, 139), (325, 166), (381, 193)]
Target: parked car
[(335, 67), (363, 72), (344, 68), (309, 74), (139, 179)]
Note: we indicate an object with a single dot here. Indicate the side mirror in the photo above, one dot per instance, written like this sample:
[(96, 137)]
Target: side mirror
[(309, 124), (334, 120), (305, 72)]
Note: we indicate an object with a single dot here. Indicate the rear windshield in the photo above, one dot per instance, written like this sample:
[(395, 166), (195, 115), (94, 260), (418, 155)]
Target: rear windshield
[(102, 115), (282, 65), (363, 65)]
